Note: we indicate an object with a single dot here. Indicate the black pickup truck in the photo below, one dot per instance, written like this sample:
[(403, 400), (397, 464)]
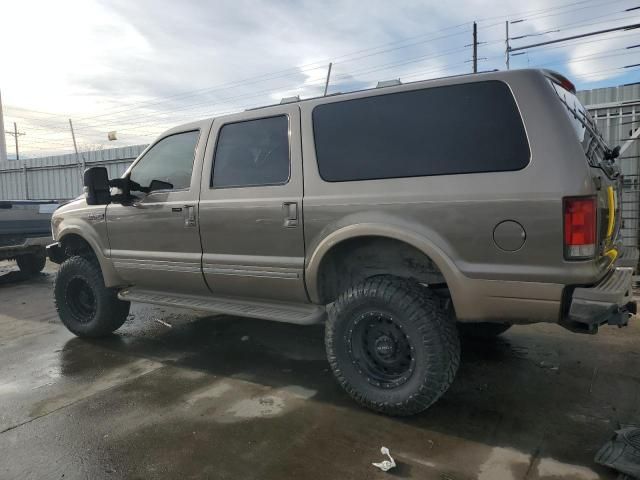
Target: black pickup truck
[(25, 231)]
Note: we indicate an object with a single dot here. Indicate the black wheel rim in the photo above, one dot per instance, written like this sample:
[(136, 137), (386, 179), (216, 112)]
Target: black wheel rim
[(80, 299), (381, 350)]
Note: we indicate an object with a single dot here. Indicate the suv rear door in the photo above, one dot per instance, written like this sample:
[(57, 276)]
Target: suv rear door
[(606, 173), (251, 206), (154, 239)]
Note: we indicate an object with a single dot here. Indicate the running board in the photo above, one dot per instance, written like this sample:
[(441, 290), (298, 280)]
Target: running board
[(298, 313)]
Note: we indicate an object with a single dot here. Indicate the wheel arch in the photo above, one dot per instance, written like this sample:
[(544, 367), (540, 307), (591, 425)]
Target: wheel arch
[(351, 235), (75, 241)]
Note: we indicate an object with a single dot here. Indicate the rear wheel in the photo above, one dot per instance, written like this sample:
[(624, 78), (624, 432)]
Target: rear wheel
[(32, 263), (483, 329), (391, 345), (85, 306)]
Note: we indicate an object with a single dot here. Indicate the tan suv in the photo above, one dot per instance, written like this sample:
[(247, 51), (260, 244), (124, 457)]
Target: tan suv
[(398, 215)]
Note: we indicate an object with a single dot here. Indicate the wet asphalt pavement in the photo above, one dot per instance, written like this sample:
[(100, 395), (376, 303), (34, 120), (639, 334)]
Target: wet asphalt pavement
[(176, 394)]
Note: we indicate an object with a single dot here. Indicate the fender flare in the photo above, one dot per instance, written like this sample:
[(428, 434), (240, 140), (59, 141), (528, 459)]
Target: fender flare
[(109, 274), (416, 240)]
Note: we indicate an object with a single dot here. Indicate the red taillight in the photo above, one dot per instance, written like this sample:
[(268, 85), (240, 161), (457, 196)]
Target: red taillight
[(579, 227)]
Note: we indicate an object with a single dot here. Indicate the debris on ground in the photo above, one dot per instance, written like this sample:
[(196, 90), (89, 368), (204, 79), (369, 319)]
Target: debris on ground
[(162, 322), (385, 465), (245, 338), (622, 452)]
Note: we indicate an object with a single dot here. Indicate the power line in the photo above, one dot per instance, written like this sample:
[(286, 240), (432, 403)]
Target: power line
[(532, 13), (314, 65), (308, 83), (89, 126), (538, 17)]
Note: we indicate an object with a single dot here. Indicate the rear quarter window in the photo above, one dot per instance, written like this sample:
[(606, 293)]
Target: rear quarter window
[(466, 128)]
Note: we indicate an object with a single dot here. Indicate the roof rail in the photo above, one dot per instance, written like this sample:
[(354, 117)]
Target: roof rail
[(389, 83)]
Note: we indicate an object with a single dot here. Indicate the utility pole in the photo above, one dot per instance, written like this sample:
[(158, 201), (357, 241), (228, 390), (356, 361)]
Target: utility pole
[(15, 134), (475, 47), (326, 84), (3, 142), (73, 136), (507, 49), (81, 164)]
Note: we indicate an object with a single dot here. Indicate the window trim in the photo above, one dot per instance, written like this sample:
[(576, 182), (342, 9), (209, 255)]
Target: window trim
[(127, 174), (215, 151), (376, 95)]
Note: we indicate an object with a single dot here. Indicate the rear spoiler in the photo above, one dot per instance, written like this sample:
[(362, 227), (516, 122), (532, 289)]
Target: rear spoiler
[(559, 79)]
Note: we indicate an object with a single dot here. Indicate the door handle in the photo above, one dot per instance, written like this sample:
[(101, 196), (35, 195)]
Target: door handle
[(290, 214), (189, 216)]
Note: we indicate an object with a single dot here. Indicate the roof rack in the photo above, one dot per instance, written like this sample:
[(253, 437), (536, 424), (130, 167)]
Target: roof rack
[(293, 99), (389, 83), (381, 84)]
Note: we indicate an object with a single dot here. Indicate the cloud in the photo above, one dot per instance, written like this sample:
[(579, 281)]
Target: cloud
[(140, 67)]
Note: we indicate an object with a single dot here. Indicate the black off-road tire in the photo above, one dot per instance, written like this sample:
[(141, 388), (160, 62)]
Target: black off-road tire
[(416, 320), (483, 330), (85, 306), (32, 263)]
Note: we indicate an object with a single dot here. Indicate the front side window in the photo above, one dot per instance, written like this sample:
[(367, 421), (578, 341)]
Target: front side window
[(252, 153), (170, 160)]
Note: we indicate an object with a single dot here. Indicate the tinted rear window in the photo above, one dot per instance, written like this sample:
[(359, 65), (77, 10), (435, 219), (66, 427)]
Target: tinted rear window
[(252, 153), (467, 128), (579, 117)]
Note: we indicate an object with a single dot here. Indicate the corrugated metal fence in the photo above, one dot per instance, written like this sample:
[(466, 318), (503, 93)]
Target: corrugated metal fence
[(59, 177)]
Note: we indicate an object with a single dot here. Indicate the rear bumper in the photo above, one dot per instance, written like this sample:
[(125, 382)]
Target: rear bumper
[(608, 302)]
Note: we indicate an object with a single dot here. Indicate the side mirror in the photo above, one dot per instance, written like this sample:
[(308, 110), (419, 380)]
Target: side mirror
[(96, 183), (160, 185)]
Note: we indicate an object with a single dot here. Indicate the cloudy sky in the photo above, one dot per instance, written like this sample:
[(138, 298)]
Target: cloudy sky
[(140, 66)]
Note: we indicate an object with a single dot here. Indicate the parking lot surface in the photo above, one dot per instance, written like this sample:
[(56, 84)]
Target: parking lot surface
[(176, 394)]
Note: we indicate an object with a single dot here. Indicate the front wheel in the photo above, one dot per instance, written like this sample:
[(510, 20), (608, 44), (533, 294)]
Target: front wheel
[(85, 306), (391, 345)]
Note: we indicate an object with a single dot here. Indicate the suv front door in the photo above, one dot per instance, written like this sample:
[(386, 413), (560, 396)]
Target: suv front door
[(154, 239), (251, 206)]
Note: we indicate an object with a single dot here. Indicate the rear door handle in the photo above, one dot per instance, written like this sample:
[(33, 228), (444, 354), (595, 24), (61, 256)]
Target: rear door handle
[(290, 214), (189, 215)]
